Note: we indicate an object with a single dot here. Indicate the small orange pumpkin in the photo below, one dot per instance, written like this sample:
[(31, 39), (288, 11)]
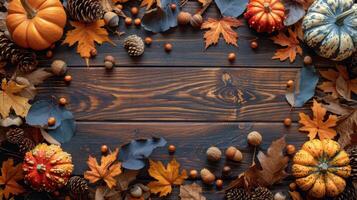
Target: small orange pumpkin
[(36, 24)]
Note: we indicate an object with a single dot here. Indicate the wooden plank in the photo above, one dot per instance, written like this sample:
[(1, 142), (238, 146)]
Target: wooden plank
[(175, 94), (188, 49)]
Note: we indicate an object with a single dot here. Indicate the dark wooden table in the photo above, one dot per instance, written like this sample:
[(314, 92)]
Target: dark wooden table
[(192, 97)]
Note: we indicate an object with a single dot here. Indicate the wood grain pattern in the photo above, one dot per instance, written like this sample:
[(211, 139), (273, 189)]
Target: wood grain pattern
[(188, 48), (176, 94)]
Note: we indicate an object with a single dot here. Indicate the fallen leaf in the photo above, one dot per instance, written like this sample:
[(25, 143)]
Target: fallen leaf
[(9, 98), (334, 106), (166, 177), (125, 178), (86, 35), (104, 193), (191, 192), (291, 44), (294, 11), (295, 195), (149, 3), (10, 174), (346, 127), (38, 76), (318, 125), (221, 27), (205, 2), (271, 169), (229, 8), (107, 170)]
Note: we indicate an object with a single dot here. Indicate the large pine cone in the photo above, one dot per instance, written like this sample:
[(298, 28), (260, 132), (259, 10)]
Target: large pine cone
[(25, 145), (348, 194), (352, 151), (134, 45), (86, 11), (77, 185), (237, 194), (15, 135), (258, 193)]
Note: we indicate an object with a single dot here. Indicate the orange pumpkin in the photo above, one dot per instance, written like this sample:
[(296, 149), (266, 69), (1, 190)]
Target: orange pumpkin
[(265, 15), (36, 24)]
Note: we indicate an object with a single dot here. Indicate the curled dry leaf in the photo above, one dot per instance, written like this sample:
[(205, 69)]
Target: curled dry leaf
[(294, 12), (191, 192), (334, 106), (346, 128), (165, 177), (291, 44), (10, 174), (218, 27), (318, 125)]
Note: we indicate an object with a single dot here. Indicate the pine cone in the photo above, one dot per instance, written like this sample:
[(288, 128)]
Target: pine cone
[(25, 145), (77, 185), (237, 194), (348, 194), (134, 45), (261, 193), (353, 161), (10, 52), (15, 135), (86, 11)]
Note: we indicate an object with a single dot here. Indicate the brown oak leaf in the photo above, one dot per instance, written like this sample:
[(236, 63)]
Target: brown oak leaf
[(291, 44), (221, 27), (10, 174), (86, 35), (166, 177), (108, 169), (347, 128), (318, 125), (191, 192), (271, 169)]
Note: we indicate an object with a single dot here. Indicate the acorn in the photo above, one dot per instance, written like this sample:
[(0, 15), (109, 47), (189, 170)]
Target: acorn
[(168, 47), (290, 149), (213, 154), (184, 18), (51, 121), (231, 57), (307, 60), (196, 21), (219, 183), (136, 191), (104, 149), (148, 40), (234, 154), (58, 67), (253, 44), (134, 10), (137, 22), (287, 122), (171, 149), (207, 176), (68, 78), (128, 21), (226, 170), (193, 174), (62, 101), (290, 83), (111, 19), (110, 59), (254, 138), (292, 186), (173, 6)]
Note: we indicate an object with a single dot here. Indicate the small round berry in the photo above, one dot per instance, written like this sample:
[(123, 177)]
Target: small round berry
[(93, 52), (219, 183), (253, 44), (128, 21), (287, 121), (193, 174), (62, 101), (134, 10), (51, 121), (290, 83), (231, 57), (68, 78), (173, 6), (307, 60), (168, 47), (172, 148), (226, 170), (109, 58), (290, 149), (148, 40), (137, 22), (49, 54), (104, 149), (292, 186)]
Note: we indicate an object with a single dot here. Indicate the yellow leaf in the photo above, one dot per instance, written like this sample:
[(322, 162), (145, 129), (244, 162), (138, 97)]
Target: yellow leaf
[(318, 125), (166, 177), (10, 174), (291, 45), (9, 99), (86, 35), (221, 27), (107, 170)]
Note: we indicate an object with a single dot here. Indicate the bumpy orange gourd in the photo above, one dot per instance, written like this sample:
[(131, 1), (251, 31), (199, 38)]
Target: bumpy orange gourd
[(36, 24), (47, 167), (320, 168), (265, 15)]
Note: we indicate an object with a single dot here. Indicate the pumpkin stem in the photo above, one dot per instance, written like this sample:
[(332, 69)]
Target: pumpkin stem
[(341, 17), (31, 13), (41, 168), (267, 7)]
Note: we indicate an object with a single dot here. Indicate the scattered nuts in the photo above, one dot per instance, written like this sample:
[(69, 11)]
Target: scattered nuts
[(196, 21), (290, 149), (253, 44), (104, 149), (231, 57), (134, 10), (148, 40), (128, 21), (68, 78), (172, 148), (290, 83), (111, 19), (58, 67), (51, 121), (173, 6), (234, 154), (207, 176), (110, 59), (219, 183), (137, 22), (226, 170), (213, 154), (254, 138), (292, 186), (136, 191), (108, 65), (183, 18), (193, 174), (287, 122), (307, 60), (62, 101), (168, 47)]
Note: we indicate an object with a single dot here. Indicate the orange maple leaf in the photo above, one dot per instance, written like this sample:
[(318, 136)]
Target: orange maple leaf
[(332, 76), (10, 174), (166, 177), (86, 35), (106, 171), (317, 125), (291, 43), (218, 27)]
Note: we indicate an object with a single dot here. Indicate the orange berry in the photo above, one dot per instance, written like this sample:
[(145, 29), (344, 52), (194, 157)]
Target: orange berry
[(148, 40), (231, 57), (226, 170), (219, 183), (290, 149), (62, 101), (49, 54), (137, 22), (287, 121), (173, 6), (307, 60), (290, 83), (193, 174), (51, 121), (68, 78), (253, 44), (104, 149), (168, 47), (134, 10), (172, 148), (128, 21)]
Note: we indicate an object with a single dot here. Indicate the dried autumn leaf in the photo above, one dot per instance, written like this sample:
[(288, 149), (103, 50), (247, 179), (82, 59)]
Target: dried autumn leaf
[(191, 192), (291, 44), (166, 177), (9, 98), (205, 2), (149, 3), (218, 27), (107, 170), (347, 126), (10, 174), (318, 125), (86, 35)]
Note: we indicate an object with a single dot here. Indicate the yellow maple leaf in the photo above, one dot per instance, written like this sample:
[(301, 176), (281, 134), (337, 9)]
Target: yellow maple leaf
[(221, 27), (318, 125), (290, 43), (86, 35), (9, 99), (166, 177), (10, 174), (107, 170)]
